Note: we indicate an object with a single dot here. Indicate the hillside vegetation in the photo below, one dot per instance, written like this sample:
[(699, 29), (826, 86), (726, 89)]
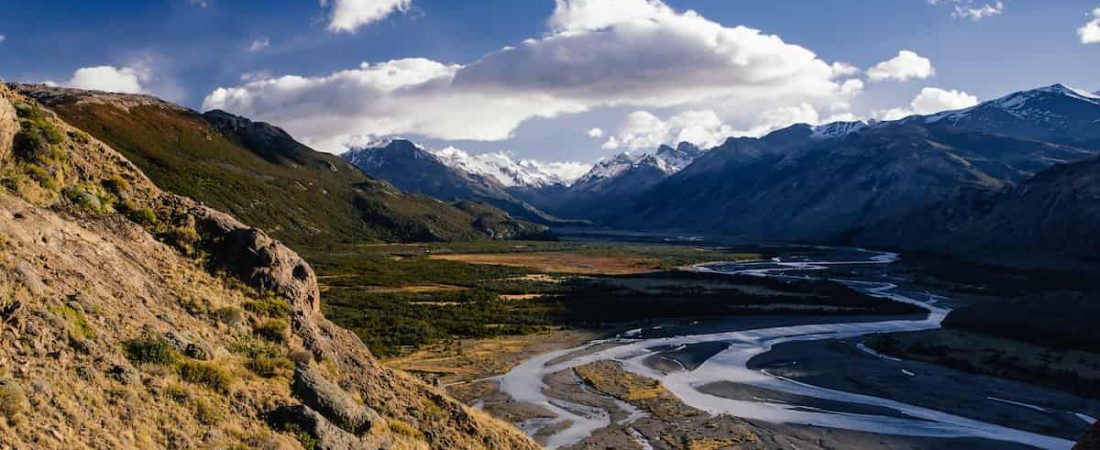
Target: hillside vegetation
[(259, 173), (134, 318)]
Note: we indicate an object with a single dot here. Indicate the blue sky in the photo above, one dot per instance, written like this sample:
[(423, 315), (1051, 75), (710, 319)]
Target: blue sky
[(459, 92)]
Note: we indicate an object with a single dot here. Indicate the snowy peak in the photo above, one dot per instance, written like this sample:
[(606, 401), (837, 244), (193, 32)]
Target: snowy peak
[(510, 172), (680, 157), (666, 159), (1038, 105), (375, 154), (837, 129)]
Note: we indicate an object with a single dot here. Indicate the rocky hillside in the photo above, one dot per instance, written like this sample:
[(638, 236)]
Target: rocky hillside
[(135, 318), (259, 173), (1048, 221)]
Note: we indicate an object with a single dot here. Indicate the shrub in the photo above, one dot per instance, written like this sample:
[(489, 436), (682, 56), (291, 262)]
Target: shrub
[(206, 374), (37, 135), (206, 412), (274, 330), (229, 315), (75, 320), (185, 239), (13, 402), (269, 306), (269, 367), (151, 350), (116, 185), (141, 216)]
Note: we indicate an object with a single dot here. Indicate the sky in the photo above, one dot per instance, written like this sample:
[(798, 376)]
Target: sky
[(554, 80)]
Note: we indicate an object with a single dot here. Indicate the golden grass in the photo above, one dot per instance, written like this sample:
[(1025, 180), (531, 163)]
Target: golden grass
[(562, 262)]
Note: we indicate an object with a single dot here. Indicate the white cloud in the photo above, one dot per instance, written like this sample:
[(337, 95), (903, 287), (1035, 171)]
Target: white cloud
[(976, 13), (259, 44), (643, 130), (907, 65), (973, 9), (598, 53), (350, 15), (778, 118), (126, 80), (930, 101), (1090, 33), (595, 133), (3, 38)]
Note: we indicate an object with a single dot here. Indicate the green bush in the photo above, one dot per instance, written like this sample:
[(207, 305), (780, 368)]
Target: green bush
[(270, 367), (207, 374), (151, 350), (274, 330), (269, 306), (139, 215), (37, 135), (13, 402)]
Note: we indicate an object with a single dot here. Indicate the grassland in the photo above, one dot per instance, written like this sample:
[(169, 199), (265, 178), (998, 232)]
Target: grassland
[(401, 298)]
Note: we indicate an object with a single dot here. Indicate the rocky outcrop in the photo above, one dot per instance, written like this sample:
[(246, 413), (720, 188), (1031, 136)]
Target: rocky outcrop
[(9, 123), (259, 260), (304, 419), (331, 401)]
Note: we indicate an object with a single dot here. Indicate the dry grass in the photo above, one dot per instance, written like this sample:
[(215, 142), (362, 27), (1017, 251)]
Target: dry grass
[(562, 262), (471, 359)]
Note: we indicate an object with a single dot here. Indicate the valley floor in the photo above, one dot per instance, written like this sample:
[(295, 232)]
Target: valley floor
[(462, 315)]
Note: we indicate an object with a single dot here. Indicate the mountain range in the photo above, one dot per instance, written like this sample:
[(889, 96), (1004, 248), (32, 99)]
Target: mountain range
[(938, 183), (261, 174)]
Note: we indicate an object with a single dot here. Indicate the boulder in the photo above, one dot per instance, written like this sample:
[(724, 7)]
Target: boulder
[(304, 419), (315, 391), (262, 262)]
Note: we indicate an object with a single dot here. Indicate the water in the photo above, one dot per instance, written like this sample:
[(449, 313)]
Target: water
[(525, 382)]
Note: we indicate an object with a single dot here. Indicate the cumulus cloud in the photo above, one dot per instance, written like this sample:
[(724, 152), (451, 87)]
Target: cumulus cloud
[(597, 53), (595, 133), (259, 45), (1090, 33), (644, 130), (126, 80), (930, 101), (907, 65), (778, 118), (972, 9), (347, 16)]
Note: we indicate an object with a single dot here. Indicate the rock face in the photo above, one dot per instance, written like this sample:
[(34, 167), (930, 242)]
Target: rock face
[(9, 123), (328, 436), (332, 402), (258, 259)]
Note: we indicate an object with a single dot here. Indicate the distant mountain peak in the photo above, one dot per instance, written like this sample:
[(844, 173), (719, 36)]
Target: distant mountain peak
[(837, 129), (511, 172)]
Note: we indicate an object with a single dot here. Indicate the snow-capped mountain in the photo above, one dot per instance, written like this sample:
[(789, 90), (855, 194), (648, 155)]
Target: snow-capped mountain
[(1056, 113), (524, 173), (831, 181), (412, 168), (613, 183), (837, 129), (667, 159)]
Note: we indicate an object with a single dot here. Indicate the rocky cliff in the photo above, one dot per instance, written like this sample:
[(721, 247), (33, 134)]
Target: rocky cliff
[(135, 318)]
